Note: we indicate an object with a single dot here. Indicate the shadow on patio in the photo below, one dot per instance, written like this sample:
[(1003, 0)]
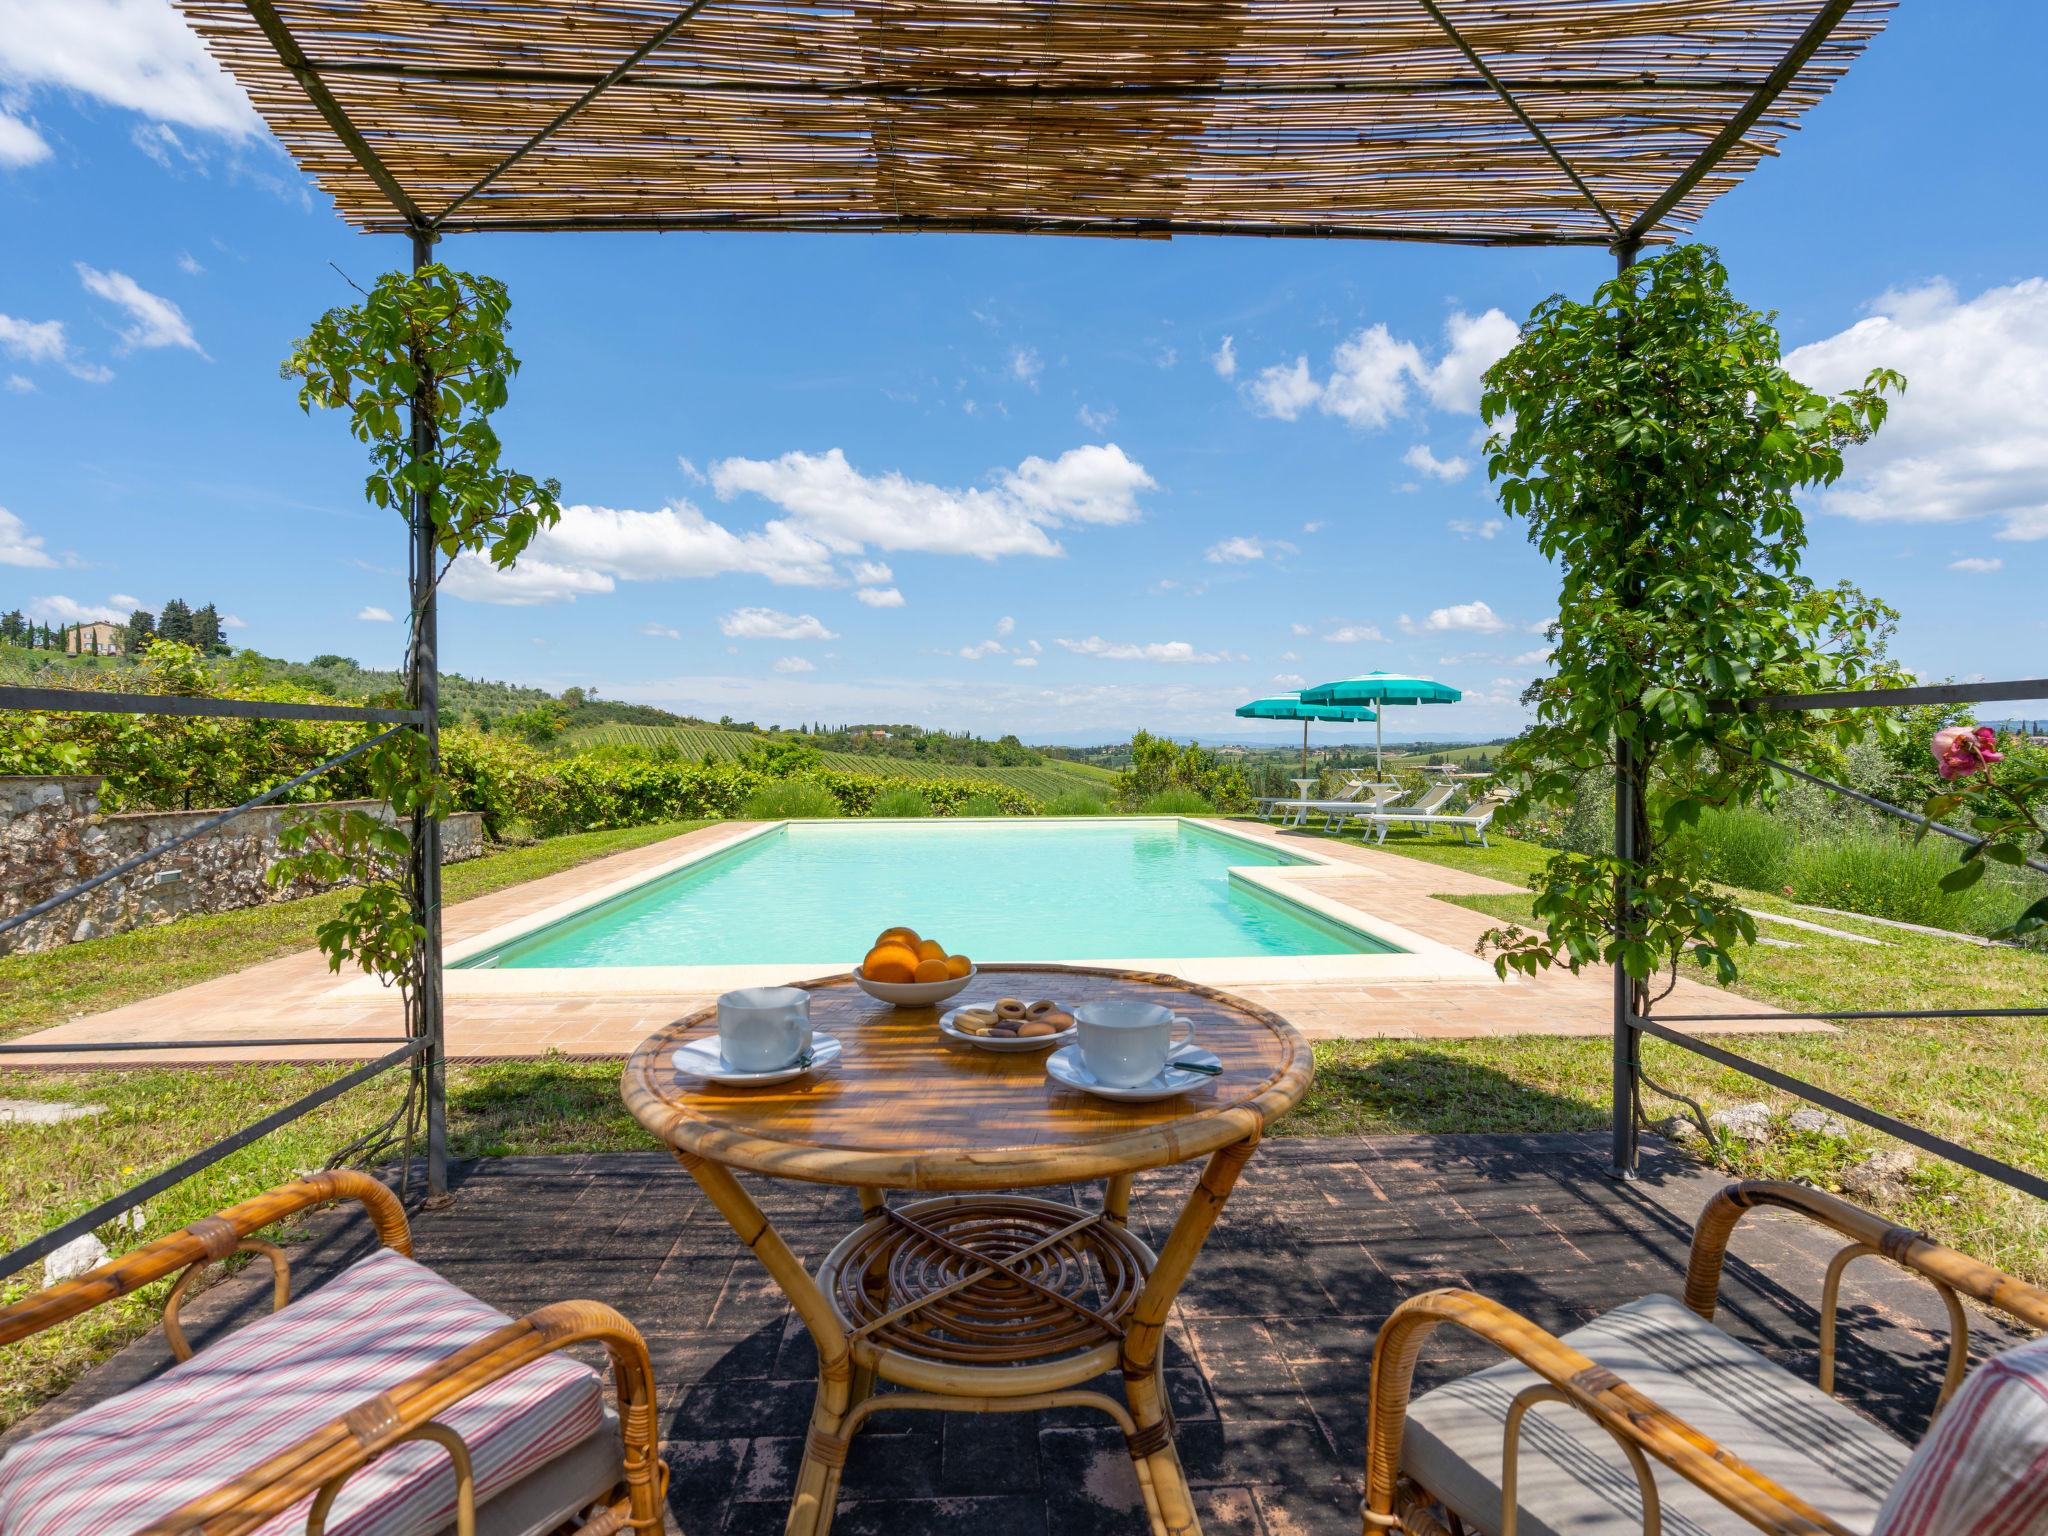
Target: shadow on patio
[(1267, 1351)]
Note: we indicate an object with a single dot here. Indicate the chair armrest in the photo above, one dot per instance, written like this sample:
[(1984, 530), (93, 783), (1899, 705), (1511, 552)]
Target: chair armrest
[(340, 1447), (1902, 1245), (209, 1238), (1624, 1412)]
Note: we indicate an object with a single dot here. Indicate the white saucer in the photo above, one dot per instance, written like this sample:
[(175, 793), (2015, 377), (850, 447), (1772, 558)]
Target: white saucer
[(700, 1058), (1002, 1043), (1066, 1067)]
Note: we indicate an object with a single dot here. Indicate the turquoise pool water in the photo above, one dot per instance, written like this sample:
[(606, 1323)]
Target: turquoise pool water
[(818, 894)]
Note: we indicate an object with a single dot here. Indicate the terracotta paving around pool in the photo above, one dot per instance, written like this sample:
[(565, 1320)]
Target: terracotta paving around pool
[(299, 996)]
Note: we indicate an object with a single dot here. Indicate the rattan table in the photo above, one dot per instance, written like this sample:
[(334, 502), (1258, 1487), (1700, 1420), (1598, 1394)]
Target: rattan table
[(971, 1299)]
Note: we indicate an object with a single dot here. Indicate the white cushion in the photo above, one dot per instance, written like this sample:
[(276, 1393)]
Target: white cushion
[(1573, 1479), (115, 1467), (1983, 1468)]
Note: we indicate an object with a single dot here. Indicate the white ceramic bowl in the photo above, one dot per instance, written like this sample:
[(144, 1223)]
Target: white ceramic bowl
[(914, 994)]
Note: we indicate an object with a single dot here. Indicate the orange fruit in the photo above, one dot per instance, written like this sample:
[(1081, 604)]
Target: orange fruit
[(931, 949), (931, 970), (906, 936), (889, 962), (958, 966)]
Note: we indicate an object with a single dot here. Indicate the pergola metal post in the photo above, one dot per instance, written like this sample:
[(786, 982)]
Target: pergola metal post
[(1628, 1042), (423, 686)]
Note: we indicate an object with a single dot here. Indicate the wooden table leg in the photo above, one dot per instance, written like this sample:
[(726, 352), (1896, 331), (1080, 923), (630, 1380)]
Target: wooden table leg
[(1116, 1198), (1160, 1477), (817, 1482)]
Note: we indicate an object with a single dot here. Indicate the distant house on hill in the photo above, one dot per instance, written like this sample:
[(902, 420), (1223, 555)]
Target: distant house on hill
[(99, 638)]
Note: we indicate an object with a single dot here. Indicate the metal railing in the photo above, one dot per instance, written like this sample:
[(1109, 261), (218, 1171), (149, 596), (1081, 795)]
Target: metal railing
[(419, 1049), (1630, 1026)]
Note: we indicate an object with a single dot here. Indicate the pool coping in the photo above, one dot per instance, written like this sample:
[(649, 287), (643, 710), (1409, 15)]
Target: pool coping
[(1421, 959)]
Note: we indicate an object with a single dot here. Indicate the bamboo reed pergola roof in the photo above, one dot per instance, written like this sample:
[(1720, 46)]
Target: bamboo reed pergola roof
[(1495, 122)]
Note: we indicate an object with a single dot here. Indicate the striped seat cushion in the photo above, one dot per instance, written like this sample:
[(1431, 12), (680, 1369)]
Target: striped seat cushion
[(1983, 1468), (114, 1468)]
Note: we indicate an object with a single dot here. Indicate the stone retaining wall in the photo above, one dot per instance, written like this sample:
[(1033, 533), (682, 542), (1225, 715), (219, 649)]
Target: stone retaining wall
[(52, 835)]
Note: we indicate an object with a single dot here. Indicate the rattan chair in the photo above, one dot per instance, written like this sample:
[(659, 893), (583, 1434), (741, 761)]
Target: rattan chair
[(295, 1428), (1752, 1447)]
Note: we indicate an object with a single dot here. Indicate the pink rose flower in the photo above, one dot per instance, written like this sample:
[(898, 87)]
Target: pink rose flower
[(1962, 750)]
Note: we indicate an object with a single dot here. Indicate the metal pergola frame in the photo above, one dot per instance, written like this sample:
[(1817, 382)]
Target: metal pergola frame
[(423, 229)]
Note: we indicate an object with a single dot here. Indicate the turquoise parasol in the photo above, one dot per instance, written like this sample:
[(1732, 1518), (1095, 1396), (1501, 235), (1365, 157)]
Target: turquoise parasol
[(1288, 706), (1377, 689)]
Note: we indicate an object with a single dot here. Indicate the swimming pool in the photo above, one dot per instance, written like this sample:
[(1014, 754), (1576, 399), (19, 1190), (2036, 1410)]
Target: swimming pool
[(816, 893)]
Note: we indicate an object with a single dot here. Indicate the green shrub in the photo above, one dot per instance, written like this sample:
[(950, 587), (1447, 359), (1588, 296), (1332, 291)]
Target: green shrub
[(1752, 849), (788, 798), (980, 805), (1077, 802), (900, 800), (1160, 764), (1177, 802)]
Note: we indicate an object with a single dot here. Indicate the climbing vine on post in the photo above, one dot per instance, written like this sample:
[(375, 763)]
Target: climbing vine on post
[(1654, 443), (432, 338)]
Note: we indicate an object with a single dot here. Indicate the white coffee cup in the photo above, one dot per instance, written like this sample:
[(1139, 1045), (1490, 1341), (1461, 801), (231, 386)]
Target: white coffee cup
[(764, 1029), (1125, 1044)]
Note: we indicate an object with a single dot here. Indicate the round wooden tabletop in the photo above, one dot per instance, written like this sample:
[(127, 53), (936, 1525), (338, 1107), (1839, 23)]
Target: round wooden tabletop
[(904, 1107)]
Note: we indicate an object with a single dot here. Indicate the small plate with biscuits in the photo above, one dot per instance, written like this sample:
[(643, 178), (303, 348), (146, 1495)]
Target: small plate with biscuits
[(1010, 1024)]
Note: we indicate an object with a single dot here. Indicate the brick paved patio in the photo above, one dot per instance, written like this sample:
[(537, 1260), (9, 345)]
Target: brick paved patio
[(1267, 1357)]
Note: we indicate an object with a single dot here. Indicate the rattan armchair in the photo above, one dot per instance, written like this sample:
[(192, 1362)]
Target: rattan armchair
[(1752, 1447), (323, 1459)]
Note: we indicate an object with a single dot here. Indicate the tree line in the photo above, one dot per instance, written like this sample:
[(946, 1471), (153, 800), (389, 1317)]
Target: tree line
[(200, 628)]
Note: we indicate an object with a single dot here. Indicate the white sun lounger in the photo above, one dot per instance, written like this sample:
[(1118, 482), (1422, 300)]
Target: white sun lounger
[(1478, 819), (1335, 811), (1432, 797)]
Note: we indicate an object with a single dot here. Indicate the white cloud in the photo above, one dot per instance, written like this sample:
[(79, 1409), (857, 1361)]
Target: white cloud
[(1375, 375), (1540, 657), (871, 573), (1316, 527), (1236, 551), (1170, 651), (20, 384), (1969, 438), (771, 624), (136, 54), (189, 265), (981, 649), (1290, 656), (661, 632), (1293, 680), (794, 664), (58, 609), (1094, 420), (1024, 661), (20, 547), (1465, 529), (880, 597), (1473, 344), (1006, 626), (832, 502), (1224, 360), (1026, 365), (375, 615), (690, 471), (1467, 618), (1369, 378), (533, 580), (1354, 634), (1284, 390), (227, 620), (1973, 563), (155, 321), (20, 144), (33, 341), (1036, 648), (1419, 458)]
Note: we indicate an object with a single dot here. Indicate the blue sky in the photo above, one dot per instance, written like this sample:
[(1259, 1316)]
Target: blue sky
[(1065, 488)]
